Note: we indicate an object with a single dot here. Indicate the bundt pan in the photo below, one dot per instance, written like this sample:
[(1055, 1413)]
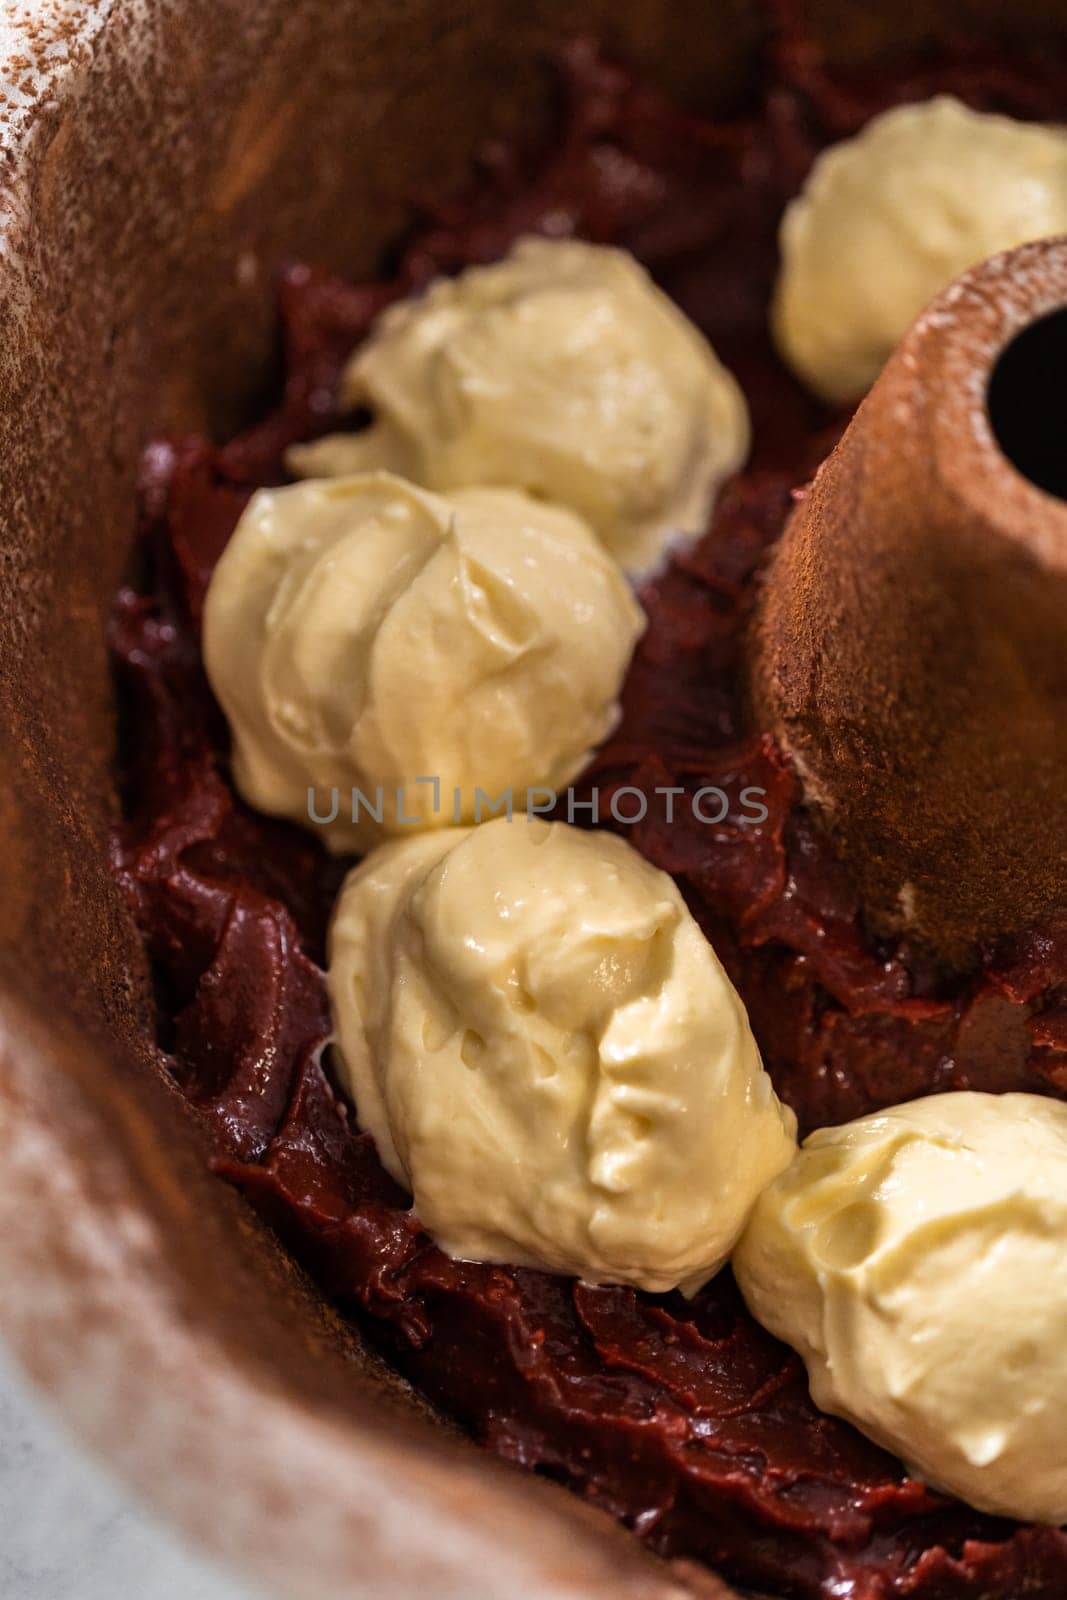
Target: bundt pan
[(161, 158)]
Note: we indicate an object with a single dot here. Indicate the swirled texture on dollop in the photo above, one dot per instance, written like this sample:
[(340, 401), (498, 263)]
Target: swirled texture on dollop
[(916, 1260), (561, 370), (887, 219), (550, 1056), (362, 634)]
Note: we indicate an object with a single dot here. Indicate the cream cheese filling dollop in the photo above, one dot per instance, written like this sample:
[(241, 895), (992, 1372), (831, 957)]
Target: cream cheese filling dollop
[(561, 370), (889, 218), (387, 657), (550, 1056), (917, 1260)]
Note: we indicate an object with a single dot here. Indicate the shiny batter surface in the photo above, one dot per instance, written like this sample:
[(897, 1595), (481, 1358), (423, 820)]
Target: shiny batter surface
[(683, 1419)]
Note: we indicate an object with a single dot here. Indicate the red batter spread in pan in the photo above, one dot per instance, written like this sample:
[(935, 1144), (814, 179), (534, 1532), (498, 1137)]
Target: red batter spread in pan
[(683, 1419)]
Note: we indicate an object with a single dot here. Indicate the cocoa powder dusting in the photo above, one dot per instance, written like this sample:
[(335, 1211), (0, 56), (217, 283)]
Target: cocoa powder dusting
[(683, 1419)]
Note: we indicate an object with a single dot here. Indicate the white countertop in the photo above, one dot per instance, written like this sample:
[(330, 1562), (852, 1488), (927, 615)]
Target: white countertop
[(68, 1531)]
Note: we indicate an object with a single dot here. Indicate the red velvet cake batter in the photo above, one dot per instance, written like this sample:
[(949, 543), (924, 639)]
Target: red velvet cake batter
[(683, 1419)]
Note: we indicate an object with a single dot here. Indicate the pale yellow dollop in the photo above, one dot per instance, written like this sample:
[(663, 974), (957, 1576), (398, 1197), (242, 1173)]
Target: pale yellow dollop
[(889, 218), (917, 1260), (561, 370), (361, 634), (550, 1056)]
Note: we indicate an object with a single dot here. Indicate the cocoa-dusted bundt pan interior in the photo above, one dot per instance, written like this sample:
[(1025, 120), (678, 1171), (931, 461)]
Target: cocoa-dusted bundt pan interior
[(162, 162)]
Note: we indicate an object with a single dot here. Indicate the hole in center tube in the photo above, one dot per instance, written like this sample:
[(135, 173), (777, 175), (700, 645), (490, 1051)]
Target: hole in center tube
[(1027, 402)]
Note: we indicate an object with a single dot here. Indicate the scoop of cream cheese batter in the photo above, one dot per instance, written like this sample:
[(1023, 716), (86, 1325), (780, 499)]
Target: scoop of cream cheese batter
[(550, 1056), (916, 1260), (387, 657), (561, 370), (888, 218)]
